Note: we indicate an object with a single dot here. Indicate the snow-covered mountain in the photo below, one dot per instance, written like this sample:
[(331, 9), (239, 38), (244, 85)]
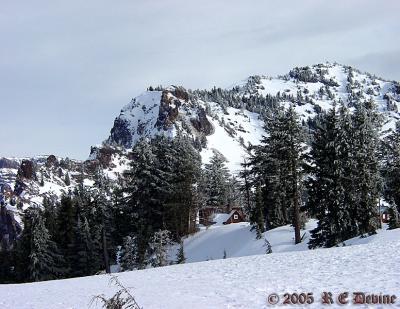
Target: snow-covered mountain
[(226, 120)]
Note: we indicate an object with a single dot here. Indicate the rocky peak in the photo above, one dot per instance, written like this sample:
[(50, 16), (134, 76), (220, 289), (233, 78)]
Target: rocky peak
[(27, 170), (157, 112), (51, 161)]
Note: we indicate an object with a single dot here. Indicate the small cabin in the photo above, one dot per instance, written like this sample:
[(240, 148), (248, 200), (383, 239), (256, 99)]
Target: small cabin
[(235, 216), (212, 216)]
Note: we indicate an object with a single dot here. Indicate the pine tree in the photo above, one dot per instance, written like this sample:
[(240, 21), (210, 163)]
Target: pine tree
[(128, 256), (50, 216), (216, 177), (182, 200), (257, 214), (245, 174), (121, 214), (144, 196), (294, 143), (394, 222), (224, 256), (267, 174), (42, 260), (276, 169), (180, 256), (345, 136), (158, 248), (391, 165), (84, 261), (65, 234), (234, 194), (36, 253), (268, 246), (366, 176), (67, 180), (102, 221), (344, 185), (325, 189)]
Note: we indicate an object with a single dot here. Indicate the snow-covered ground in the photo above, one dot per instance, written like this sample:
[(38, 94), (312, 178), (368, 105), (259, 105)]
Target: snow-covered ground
[(237, 240), (369, 265)]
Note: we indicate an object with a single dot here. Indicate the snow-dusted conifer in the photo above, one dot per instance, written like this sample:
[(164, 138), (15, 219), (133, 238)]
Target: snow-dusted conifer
[(180, 256), (391, 166), (217, 177), (128, 255), (67, 179), (366, 176), (158, 248), (42, 258), (276, 166), (394, 222), (268, 246), (325, 188), (85, 263)]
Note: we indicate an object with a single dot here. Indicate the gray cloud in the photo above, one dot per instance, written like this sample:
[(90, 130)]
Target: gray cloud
[(66, 68)]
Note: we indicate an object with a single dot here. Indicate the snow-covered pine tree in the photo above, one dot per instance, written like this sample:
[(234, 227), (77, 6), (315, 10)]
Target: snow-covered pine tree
[(216, 177), (293, 149), (366, 177), (394, 222), (276, 165), (67, 179), (268, 246), (85, 262), (50, 215), (391, 166), (180, 256), (234, 193), (65, 233), (144, 196), (347, 169), (102, 220), (128, 255), (182, 199), (42, 255), (257, 214), (266, 174), (325, 190), (344, 183), (158, 248), (161, 190), (246, 186)]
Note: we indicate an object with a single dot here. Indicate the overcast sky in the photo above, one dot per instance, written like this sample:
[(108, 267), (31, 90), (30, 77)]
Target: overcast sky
[(67, 67)]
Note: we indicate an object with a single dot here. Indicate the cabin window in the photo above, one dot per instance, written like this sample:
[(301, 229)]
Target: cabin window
[(235, 217)]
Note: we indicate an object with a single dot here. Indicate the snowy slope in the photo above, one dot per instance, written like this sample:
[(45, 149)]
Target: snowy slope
[(244, 125), (243, 282), (237, 240)]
